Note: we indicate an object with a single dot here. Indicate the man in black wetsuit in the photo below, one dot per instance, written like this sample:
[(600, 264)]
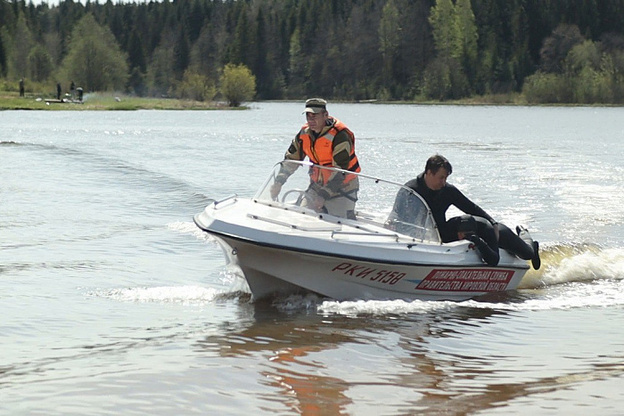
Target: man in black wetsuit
[(440, 195)]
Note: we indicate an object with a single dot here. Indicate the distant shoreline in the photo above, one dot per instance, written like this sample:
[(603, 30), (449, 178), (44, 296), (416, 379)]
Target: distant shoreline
[(113, 102), (104, 101)]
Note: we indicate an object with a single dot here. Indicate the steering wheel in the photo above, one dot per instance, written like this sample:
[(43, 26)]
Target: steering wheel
[(299, 192)]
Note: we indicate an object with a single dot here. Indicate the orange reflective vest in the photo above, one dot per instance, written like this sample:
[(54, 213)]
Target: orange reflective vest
[(321, 151)]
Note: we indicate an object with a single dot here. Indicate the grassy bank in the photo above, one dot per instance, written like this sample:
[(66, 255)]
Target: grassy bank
[(102, 101), (108, 101)]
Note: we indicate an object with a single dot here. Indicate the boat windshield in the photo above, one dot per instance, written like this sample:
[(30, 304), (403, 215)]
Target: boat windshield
[(379, 202)]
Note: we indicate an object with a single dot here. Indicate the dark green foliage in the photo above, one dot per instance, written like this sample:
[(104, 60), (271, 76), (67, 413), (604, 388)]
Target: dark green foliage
[(94, 60), (551, 50), (3, 59), (557, 46)]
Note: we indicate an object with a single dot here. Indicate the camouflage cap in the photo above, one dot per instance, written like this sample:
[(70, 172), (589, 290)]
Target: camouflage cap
[(315, 105)]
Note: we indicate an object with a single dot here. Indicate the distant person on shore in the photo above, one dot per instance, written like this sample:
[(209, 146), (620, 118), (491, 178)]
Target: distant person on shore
[(21, 87), (326, 141), (431, 185), (58, 90)]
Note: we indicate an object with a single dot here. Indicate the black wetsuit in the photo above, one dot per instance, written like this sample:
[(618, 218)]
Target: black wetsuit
[(484, 238), (439, 202)]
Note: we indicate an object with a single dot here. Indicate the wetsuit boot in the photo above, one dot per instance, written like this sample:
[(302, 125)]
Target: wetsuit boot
[(523, 233)]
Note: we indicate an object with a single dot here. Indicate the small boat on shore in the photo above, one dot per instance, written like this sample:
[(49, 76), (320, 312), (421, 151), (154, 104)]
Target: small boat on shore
[(283, 246)]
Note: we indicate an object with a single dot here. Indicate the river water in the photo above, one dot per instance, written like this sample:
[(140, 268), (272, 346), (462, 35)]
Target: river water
[(113, 302)]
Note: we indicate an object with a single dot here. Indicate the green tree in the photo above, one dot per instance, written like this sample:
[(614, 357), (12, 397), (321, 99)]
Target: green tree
[(195, 86), (444, 79), (442, 21), (416, 49), (389, 38), (260, 66), (583, 55), (3, 60), (206, 51), (95, 60), (297, 66), (238, 84), (239, 48), (20, 48), (53, 45), (195, 19), (136, 52), (591, 73), (557, 46), (137, 65), (182, 53), (466, 35), (455, 37), (360, 55), (544, 87), (161, 72), (521, 62), (39, 64)]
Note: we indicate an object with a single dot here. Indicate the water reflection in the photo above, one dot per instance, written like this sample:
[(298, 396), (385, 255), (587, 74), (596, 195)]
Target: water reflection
[(308, 381), (451, 358), (307, 393)]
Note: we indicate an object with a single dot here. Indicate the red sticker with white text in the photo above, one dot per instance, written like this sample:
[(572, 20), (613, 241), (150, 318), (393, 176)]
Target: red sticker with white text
[(467, 280)]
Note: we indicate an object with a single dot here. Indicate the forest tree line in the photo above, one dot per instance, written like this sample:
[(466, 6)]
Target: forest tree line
[(547, 50)]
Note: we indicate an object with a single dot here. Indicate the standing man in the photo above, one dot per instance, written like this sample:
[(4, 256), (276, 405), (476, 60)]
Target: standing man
[(440, 195), (326, 141)]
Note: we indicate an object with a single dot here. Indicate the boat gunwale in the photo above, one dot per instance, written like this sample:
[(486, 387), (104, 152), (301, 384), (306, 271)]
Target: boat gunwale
[(221, 234)]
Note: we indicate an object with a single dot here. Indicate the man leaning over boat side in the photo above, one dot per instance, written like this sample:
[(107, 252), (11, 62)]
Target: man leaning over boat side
[(432, 186), (326, 141)]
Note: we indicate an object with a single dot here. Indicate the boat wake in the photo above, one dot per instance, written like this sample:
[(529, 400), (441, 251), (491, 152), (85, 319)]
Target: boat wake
[(567, 263), (188, 227), (184, 295)]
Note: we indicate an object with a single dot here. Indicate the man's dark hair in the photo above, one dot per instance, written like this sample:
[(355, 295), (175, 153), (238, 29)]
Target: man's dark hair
[(435, 162)]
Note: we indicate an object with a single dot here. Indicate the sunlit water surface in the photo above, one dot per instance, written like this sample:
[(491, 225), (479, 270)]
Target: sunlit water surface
[(113, 302)]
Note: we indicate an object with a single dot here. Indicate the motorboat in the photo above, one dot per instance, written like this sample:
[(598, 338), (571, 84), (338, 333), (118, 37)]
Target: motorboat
[(283, 246)]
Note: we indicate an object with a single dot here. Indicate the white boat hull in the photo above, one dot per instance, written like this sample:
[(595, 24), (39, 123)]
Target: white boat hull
[(272, 271)]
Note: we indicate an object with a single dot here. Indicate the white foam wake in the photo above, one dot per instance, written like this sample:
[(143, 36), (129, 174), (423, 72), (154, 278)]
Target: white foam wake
[(163, 294), (187, 227), (607, 264)]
